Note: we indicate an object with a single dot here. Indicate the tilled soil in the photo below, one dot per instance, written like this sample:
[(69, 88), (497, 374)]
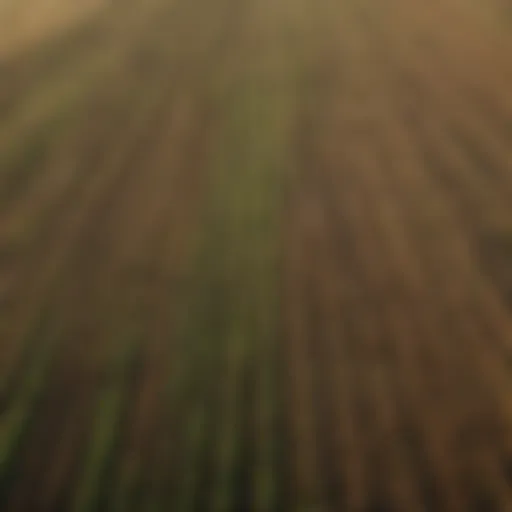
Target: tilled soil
[(258, 256)]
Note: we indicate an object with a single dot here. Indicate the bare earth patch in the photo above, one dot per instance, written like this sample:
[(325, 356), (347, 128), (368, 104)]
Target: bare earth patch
[(26, 23)]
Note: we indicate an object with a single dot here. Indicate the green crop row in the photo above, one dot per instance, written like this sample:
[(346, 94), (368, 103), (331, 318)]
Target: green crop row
[(21, 402), (238, 269), (109, 411)]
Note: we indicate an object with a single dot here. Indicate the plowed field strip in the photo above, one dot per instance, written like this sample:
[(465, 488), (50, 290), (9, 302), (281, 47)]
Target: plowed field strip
[(256, 255)]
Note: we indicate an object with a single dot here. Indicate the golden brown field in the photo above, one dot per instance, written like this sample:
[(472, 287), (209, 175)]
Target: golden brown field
[(255, 255)]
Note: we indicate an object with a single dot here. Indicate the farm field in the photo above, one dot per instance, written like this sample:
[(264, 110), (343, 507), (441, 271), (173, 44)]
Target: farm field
[(255, 255)]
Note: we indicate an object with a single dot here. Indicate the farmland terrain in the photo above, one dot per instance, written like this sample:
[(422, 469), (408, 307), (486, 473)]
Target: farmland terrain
[(255, 255)]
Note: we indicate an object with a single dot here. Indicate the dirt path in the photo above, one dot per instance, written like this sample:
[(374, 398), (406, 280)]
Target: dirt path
[(256, 256)]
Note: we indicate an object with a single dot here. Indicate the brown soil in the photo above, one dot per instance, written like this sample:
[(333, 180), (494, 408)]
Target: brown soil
[(395, 254)]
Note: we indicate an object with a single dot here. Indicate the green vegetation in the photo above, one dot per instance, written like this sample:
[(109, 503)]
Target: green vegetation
[(21, 405), (113, 399)]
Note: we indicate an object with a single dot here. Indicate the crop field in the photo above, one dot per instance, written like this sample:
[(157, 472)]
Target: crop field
[(255, 255)]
